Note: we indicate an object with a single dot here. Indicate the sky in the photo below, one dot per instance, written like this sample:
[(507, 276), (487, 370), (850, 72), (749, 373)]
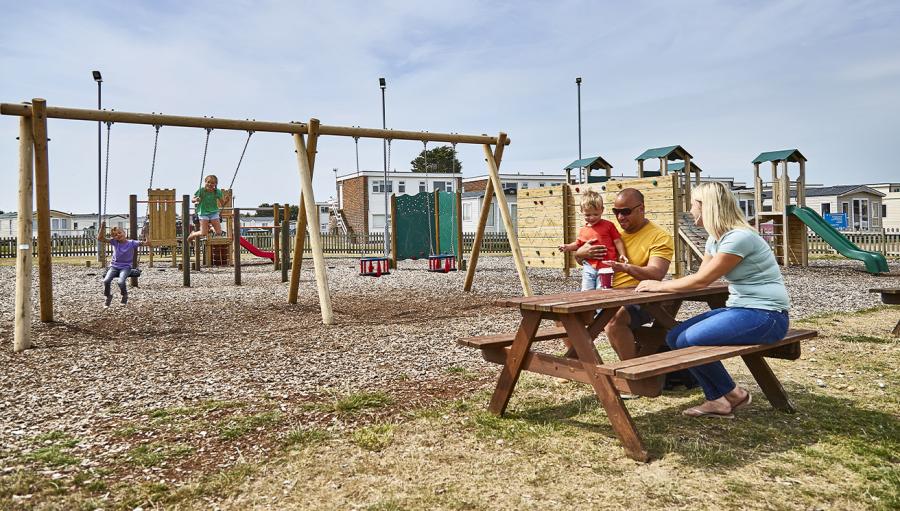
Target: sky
[(726, 80)]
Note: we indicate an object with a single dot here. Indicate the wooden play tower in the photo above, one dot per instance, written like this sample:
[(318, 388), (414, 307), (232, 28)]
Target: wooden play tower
[(788, 236), (684, 169)]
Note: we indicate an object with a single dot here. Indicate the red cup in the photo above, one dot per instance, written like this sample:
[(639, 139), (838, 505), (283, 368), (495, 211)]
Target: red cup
[(605, 275)]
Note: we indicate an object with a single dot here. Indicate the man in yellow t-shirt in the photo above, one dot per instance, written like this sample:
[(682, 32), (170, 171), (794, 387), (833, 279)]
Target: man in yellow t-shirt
[(650, 252)]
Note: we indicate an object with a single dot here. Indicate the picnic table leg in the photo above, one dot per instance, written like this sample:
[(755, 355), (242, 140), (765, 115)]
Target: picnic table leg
[(896, 331), (768, 382), (618, 415), (514, 361)]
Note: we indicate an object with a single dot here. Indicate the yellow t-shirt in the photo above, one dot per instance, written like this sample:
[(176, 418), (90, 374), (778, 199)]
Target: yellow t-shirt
[(650, 241)]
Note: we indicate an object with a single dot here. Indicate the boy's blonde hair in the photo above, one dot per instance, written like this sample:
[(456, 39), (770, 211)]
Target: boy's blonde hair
[(718, 209), (591, 200)]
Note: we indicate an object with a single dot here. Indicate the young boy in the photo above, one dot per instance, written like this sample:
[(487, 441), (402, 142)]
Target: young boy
[(599, 232), (122, 260)]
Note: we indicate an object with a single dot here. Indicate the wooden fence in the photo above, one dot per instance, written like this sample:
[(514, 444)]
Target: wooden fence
[(334, 245), (885, 241)]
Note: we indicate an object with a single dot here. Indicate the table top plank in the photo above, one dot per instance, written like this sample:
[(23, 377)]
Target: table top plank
[(581, 301)]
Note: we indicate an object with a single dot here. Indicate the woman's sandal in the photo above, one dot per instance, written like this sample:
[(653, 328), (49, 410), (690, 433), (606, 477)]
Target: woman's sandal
[(697, 412)]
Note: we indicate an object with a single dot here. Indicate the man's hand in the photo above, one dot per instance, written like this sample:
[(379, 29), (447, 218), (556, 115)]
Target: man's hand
[(590, 251), (617, 266)]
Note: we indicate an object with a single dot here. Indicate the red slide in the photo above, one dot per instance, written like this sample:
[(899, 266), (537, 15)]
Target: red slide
[(256, 251)]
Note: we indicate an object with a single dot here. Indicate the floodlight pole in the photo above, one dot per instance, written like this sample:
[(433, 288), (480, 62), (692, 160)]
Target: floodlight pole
[(384, 184), (578, 85), (99, 79)]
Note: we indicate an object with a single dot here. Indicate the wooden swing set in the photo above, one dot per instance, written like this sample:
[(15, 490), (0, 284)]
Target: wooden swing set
[(34, 176)]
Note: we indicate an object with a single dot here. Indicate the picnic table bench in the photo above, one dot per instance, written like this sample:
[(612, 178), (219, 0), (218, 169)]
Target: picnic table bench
[(641, 370), (890, 296)]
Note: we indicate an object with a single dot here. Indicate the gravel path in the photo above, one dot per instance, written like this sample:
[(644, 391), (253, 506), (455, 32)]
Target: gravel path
[(173, 345)]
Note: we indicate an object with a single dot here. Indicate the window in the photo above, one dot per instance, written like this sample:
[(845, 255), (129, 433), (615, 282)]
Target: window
[(490, 219), (323, 209), (751, 208), (510, 186), (422, 187), (378, 188), (826, 208), (54, 224), (440, 186), (525, 185), (467, 212), (401, 187), (378, 220), (513, 214), (541, 185), (884, 211)]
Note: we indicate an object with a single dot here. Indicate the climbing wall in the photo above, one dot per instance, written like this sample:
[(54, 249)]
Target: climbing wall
[(549, 217)]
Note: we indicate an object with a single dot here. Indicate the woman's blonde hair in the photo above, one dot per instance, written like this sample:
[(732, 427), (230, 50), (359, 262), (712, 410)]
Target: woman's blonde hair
[(718, 209)]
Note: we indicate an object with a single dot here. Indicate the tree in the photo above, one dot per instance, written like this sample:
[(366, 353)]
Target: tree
[(263, 213), (270, 212), (441, 159)]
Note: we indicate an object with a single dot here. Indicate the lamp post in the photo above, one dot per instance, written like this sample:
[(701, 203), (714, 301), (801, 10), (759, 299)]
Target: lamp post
[(99, 79), (578, 85), (383, 84)]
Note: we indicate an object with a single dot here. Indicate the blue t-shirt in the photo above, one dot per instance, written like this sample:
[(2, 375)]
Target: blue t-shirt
[(756, 281), (123, 253)]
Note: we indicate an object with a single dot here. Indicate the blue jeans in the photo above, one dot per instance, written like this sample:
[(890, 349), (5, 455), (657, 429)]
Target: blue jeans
[(590, 279), (723, 327), (122, 274)]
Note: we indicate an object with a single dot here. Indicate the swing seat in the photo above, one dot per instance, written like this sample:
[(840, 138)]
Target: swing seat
[(442, 263), (374, 266)]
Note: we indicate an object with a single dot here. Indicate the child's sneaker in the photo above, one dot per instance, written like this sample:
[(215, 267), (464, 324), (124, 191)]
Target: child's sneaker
[(108, 300), (124, 298)]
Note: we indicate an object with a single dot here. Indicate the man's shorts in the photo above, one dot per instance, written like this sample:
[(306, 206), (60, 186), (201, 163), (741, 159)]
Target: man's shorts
[(210, 217)]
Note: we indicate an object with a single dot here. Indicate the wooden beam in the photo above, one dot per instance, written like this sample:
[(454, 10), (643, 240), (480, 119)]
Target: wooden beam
[(511, 235), (483, 216), (42, 189), (243, 125), (300, 234), (305, 157), (24, 257), (185, 245)]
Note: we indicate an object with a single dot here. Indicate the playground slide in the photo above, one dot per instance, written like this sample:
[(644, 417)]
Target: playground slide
[(255, 250), (875, 262)]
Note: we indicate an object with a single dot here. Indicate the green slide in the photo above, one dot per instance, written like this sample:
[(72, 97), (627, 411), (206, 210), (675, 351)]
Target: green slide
[(875, 262)]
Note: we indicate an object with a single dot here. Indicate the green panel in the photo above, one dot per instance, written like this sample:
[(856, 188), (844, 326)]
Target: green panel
[(875, 262), (414, 221), (449, 220), (591, 162)]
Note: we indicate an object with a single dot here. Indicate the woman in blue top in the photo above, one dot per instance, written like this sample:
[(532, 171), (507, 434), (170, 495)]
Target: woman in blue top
[(757, 308)]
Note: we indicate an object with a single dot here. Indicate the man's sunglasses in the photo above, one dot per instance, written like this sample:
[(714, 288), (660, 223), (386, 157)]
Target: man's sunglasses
[(625, 211)]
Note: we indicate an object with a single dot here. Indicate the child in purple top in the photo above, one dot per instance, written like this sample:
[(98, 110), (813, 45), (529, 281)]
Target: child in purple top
[(124, 250)]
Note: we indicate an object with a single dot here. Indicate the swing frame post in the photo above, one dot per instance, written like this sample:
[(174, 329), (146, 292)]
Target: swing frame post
[(24, 255), (285, 243), (133, 231), (42, 189), (185, 246), (236, 239), (483, 215), (276, 236), (309, 152)]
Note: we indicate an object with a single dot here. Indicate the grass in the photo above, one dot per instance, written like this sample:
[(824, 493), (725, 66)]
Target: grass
[(157, 453), (357, 402), (238, 426), (304, 437), (374, 438)]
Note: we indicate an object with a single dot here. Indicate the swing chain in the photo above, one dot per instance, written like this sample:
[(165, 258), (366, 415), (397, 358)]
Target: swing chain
[(106, 171), (153, 162), (246, 143), (205, 147)]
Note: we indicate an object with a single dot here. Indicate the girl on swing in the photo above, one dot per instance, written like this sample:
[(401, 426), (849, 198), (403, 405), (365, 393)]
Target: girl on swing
[(124, 250), (209, 199)]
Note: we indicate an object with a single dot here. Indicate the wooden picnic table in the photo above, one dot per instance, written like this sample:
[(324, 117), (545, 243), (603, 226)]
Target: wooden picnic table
[(641, 370), (890, 296)]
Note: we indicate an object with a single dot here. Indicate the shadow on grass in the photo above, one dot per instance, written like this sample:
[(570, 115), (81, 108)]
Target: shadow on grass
[(758, 431)]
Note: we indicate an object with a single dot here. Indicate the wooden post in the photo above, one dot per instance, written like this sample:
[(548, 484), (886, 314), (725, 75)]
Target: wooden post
[(285, 245), (640, 168), (801, 202), (185, 246), (300, 235), (687, 184), (511, 235), (24, 257), (393, 231), (42, 186), (304, 158), (236, 239), (132, 231), (757, 196), (197, 255), (483, 215), (785, 220), (276, 235)]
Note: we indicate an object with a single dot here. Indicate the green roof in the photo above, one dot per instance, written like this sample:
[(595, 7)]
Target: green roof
[(665, 152), (787, 154), (591, 162), (678, 166)]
